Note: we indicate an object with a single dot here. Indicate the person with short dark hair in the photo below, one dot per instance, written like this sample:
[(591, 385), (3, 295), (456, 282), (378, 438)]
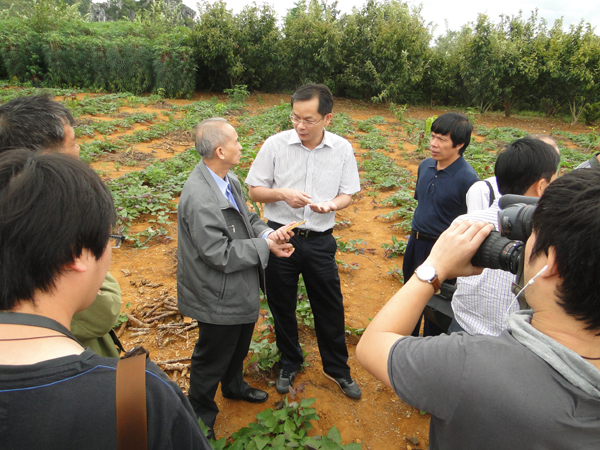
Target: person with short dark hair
[(222, 251), (56, 217), (442, 184), (306, 174), (537, 385), (483, 193), (38, 123), (482, 303)]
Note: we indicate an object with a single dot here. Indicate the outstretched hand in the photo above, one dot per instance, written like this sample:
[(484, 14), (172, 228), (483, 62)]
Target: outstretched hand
[(452, 253), (323, 207)]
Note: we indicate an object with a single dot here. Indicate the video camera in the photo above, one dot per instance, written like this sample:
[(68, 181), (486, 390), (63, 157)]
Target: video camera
[(502, 249)]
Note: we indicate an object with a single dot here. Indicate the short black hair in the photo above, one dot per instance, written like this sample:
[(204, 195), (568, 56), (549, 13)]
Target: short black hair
[(523, 163), (52, 206), (35, 123), (567, 218), (457, 126), (314, 90)]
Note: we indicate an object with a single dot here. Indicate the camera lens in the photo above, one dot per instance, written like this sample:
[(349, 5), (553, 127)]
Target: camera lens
[(498, 252), (515, 221)]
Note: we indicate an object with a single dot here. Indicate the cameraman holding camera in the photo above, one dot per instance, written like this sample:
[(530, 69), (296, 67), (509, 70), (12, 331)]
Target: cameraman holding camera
[(537, 385), (482, 304)]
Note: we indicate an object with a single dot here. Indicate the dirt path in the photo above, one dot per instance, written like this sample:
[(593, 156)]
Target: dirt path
[(379, 420)]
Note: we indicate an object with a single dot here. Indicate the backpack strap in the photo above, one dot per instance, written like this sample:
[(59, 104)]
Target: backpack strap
[(492, 195), (132, 433)]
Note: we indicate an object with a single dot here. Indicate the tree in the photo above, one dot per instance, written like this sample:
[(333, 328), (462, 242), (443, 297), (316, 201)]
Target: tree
[(311, 43), (572, 67), (385, 48)]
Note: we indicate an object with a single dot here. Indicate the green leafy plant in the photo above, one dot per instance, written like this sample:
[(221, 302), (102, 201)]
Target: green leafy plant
[(285, 426), (396, 272), (395, 249), (350, 246), (238, 94), (381, 172)]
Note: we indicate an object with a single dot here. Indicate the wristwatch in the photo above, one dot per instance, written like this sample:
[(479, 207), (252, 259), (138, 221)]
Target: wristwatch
[(427, 273)]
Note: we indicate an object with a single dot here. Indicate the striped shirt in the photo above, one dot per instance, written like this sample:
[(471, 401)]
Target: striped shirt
[(483, 303), (323, 173), (591, 163)]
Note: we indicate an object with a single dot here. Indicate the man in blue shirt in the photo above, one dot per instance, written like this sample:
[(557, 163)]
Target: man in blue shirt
[(442, 184)]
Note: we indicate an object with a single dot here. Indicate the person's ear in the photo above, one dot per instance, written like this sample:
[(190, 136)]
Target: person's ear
[(219, 153), (552, 267), (79, 264)]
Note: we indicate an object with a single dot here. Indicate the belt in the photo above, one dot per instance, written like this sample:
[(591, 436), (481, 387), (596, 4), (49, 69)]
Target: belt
[(423, 237), (302, 232)]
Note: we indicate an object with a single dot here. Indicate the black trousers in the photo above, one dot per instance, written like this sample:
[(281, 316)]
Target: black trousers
[(416, 253), (314, 258), (218, 357)]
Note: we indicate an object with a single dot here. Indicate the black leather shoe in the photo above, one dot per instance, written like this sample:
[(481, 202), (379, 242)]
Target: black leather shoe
[(252, 396)]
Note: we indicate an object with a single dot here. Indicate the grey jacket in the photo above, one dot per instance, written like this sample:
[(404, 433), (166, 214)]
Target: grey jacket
[(220, 253)]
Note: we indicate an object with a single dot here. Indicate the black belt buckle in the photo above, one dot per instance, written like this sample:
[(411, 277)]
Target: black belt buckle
[(302, 232)]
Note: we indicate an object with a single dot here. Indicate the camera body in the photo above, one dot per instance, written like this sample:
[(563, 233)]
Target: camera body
[(502, 249)]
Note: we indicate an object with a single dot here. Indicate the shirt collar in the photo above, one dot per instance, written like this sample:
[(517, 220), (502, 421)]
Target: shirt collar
[(452, 169), (326, 142), (222, 184)]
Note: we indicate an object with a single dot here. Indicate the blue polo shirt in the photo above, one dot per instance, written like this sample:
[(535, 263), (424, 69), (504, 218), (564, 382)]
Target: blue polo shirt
[(441, 194)]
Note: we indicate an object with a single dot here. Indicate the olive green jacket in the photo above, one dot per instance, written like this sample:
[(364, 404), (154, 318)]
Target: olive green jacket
[(92, 325)]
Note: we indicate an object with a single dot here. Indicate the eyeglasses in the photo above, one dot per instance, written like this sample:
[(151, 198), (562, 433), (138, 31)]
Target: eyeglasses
[(116, 240), (308, 123)]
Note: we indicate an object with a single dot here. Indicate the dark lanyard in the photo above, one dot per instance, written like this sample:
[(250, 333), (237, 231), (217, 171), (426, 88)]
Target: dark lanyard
[(11, 318)]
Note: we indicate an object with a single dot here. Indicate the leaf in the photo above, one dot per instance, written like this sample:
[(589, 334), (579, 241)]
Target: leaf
[(335, 435)]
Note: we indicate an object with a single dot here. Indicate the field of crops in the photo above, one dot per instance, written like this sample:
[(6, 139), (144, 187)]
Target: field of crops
[(143, 149)]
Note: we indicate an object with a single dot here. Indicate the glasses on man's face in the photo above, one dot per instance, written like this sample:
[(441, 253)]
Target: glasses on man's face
[(308, 123), (116, 240)]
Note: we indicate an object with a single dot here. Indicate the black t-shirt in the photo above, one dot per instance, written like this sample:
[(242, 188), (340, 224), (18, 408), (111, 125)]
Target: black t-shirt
[(70, 402)]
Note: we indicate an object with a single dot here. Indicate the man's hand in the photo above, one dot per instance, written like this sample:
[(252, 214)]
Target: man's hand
[(323, 207), (280, 250), (295, 198), (282, 235), (451, 255)]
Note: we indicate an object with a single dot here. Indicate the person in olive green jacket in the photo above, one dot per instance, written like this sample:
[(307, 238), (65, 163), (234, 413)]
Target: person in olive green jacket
[(39, 123), (92, 326)]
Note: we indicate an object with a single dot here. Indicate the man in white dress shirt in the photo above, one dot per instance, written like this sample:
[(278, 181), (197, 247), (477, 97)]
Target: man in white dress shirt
[(482, 303), (307, 174)]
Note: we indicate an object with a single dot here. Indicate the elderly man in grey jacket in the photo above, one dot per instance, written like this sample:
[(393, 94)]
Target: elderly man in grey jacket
[(222, 251)]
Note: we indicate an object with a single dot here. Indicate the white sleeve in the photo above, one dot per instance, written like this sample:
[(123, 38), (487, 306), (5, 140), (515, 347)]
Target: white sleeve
[(478, 197)]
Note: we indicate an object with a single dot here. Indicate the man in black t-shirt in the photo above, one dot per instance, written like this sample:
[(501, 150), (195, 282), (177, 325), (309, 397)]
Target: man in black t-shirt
[(55, 248)]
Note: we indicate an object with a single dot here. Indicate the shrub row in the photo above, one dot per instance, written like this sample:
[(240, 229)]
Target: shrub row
[(380, 51)]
